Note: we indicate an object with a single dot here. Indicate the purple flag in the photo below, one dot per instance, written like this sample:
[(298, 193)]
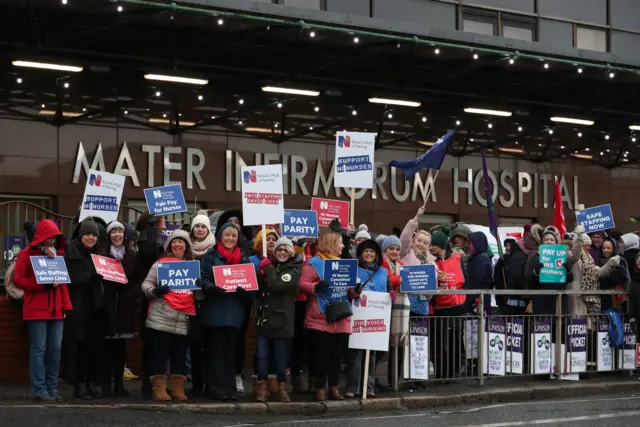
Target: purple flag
[(488, 191)]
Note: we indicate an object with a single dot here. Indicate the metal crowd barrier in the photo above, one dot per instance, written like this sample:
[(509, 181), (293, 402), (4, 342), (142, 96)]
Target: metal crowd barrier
[(451, 348)]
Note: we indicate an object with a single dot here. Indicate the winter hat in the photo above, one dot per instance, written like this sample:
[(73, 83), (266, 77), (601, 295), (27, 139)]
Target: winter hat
[(223, 227), (439, 239), (379, 238), (370, 244), (389, 241), (201, 218), (257, 242), (284, 241), (88, 226), (461, 231), (130, 232), (363, 232), (30, 230), (579, 232), (508, 240), (396, 231), (177, 234), (113, 225), (553, 231), (631, 241)]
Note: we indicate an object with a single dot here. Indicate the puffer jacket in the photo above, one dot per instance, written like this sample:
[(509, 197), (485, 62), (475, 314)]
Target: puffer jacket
[(161, 316), (419, 303)]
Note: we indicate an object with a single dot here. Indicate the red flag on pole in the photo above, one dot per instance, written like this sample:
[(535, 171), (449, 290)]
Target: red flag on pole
[(558, 217)]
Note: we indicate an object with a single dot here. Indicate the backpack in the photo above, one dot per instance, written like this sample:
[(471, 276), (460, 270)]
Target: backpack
[(616, 328), (13, 291)]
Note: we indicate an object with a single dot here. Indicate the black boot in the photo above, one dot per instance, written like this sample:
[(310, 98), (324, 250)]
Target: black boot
[(119, 389), (80, 391), (107, 391), (95, 390)]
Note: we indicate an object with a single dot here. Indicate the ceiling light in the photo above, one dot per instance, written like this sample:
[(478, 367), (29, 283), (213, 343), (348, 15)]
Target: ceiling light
[(167, 121), (317, 109), (354, 112), (84, 109), (290, 91), (200, 97), (64, 113), (608, 151), (572, 121), (579, 134), (458, 123), (519, 128), (66, 85), (606, 137), (158, 93), (517, 143), (275, 124), (633, 139), (471, 139), (390, 116), (427, 143), (356, 40), (601, 153), (550, 131), (43, 106), (586, 149), (240, 122), (220, 21), (546, 66), (476, 56), (403, 103), (512, 61), (310, 127), (279, 104), (424, 120), (241, 101), (489, 125), (392, 132), (164, 115), (19, 80), (488, 112), (511, 150), (579, 70), (437, 51), (539, 145), (612, 75), (176, 79), (562, 147), (312, 34), (119, 8), (64, 1), (45, 66), (126, 111), (261, 130), (634, 127), (583, 156)]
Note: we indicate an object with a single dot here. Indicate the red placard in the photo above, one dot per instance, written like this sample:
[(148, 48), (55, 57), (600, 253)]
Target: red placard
[(230, 277), (329, 209), (109, 268), (637, 355)]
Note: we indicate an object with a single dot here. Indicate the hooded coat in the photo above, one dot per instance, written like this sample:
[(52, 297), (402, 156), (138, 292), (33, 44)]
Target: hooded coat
[(515, 266), (634, 297), (41, 302), (594, 251), (478, 274), (619, 279), (246, 232), (631, 249)]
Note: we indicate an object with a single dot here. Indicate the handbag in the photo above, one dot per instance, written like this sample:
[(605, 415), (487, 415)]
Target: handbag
[(338, 310)]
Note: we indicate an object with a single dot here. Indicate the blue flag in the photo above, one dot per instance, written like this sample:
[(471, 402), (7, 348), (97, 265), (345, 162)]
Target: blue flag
[(432, 159)]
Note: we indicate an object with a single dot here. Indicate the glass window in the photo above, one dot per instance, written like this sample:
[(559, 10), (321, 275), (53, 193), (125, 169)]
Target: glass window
[(479, 27), (519, 27), (591, 39), (306, 4), (480, 22), (518, 33)]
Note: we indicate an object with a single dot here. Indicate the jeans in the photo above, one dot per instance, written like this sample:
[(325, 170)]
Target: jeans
[(45, 337), (276, 350), (355, 366), (165, 345)]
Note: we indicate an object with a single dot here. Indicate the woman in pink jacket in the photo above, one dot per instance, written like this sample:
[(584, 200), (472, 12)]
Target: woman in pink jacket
[(328, 339)]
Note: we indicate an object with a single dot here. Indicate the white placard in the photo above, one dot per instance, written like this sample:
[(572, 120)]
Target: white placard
[(417, 364), (606, 353), (354, 164), (471, 339), (102, 195), (627, 353), (371, 321), (494, 348), (262, 199), (541, 346)]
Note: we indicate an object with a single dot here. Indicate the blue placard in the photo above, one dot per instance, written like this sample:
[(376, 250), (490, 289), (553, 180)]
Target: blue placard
[(179, 275), (597, 218), (418, 278), (341, 275), (553, 259), (165, 200), (354, 163), (300, 223), (50, 270)]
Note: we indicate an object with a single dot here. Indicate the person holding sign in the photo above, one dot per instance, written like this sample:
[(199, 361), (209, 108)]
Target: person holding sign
[(371, 277), (43, 311), (222, 314), (120, 308), (619, 279), (168, 321), (276, 315), (327, 339), (84, 325)]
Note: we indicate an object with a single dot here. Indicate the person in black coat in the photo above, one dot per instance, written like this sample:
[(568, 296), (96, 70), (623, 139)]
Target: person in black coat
[(84, 325), (634, 295), (619, 279), (515, 268), (478, 274), (276, 315), (120, 307)]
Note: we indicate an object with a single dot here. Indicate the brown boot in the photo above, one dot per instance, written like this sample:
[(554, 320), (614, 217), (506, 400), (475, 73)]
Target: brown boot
[(159, 388), (298, 385), (177, 387), (320, 395), (272, 386), (284, 397), (261, 391), (334, 394)]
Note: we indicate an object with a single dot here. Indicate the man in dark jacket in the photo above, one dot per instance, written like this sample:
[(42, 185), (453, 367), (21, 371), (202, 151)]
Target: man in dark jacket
[(515, 266), (478, 274)]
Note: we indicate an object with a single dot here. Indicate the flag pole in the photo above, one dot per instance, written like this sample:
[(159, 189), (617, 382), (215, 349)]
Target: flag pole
[(352, 211), (430, 187), (264, 240)]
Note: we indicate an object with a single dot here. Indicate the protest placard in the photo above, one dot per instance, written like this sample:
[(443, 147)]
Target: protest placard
[(554, 259), (541, 345), (416, 364), (165, 200), (515, 339), (354, 163), (328, 209), (597, 218), (111, 269), (300, 223), (418, 278), (12, 247), (371, 321), (50, 270), (605, 350), (179, 275), (102, 195), (231, 277), (262, 200), (494, 347), (341, 274), (576, 347), (626, 355)]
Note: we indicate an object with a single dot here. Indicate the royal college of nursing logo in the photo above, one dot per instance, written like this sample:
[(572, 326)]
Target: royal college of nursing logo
[(361, 302), (249, 176), (95, 180), (157, 194), (344, 141)]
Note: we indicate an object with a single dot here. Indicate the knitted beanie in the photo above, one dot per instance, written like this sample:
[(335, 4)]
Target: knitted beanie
[(389, 241), (439, 239), (363, 233), (284, 241), (113, 225), (201, 218), (88, 226), (177, 234)]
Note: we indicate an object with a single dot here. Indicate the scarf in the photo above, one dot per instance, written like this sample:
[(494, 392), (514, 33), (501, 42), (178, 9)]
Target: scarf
[(201, 248), (117, 253), (231, 257), (327, 256), (49, 251), (590, 282), (394, 266)]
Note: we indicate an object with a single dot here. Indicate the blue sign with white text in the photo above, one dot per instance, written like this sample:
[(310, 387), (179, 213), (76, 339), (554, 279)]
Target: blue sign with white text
[(165, 200), (598, 218), (354, 163), (418, 278), (300, 223), (179, 275), (50, 270), (341, 275)]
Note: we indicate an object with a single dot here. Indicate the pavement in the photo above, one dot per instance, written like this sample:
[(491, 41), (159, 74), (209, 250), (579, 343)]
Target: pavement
[(505, 390), (611, 410)]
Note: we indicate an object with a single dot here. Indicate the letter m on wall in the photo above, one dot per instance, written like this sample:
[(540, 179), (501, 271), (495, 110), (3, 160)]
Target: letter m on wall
[(83, 163)]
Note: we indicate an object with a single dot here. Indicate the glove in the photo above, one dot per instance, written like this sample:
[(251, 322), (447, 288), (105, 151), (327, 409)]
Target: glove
[(264, 263), (321, 286), (161, 290), (352, 293), (199, 283), (393, 296), (579, 229), (335, 225), (615, 260)]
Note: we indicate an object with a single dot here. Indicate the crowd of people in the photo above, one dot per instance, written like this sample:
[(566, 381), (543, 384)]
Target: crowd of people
[(201, 333)]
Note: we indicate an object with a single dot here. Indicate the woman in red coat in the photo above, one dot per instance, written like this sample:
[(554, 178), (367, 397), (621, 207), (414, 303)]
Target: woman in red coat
[(43, 311)]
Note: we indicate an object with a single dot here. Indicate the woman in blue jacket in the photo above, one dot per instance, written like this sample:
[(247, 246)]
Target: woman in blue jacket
[(371, 277), (222, 314)]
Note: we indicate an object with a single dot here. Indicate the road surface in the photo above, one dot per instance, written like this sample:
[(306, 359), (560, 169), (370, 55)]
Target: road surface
[(609, 411)]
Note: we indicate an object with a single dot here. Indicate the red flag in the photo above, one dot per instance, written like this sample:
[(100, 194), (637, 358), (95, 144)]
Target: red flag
[(558, 217)]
